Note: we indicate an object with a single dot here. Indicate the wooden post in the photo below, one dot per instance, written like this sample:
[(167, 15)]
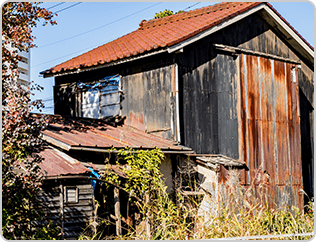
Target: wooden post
[(61, 204), (147, 217), (117, 211)]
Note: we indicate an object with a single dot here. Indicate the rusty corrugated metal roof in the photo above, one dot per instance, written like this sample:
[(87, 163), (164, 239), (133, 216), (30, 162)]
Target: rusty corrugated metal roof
[(96, 135), (57, 163)]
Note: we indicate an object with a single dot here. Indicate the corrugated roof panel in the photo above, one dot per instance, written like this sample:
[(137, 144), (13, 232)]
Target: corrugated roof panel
[(94, 133), (56, 163)]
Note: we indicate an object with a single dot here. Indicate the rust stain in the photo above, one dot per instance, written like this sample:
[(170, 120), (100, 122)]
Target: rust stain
[(243, 122), (269, 125), (137, 121), (54, 164), (102, 135)]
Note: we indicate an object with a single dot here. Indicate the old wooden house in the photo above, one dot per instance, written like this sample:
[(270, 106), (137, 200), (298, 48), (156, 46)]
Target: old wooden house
[(74, 165), (66, 196), (234, 80)]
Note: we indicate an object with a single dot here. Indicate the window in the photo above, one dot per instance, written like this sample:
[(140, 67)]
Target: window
[(101, 99), (71, 195)]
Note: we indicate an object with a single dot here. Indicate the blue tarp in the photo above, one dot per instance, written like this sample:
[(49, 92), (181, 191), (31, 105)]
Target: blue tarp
[(104, 82), (94, 173)]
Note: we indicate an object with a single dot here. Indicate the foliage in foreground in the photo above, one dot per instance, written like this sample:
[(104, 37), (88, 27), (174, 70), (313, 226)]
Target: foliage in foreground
[(174, 219), (20, 130)]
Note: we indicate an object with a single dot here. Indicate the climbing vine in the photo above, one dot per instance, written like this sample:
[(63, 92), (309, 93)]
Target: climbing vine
[(144, 180)]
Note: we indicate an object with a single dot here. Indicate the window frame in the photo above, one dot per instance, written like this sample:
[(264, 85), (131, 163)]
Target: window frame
[(76, 194)]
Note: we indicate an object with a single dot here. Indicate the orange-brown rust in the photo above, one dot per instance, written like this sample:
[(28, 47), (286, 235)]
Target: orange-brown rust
[(136, 121), (270, 126)]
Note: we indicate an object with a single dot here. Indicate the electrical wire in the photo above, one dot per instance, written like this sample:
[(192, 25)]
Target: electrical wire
[(68, 7), (56, 5), (77, 35), (82, 50), (94, 30), (192, 6)]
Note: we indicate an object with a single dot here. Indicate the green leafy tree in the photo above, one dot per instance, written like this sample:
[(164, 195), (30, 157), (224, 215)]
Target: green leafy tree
[(21, 174), (165, 13)]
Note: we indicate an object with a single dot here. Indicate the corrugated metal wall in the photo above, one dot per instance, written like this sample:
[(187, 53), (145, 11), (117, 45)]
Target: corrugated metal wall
[(150, 101), (209, 104), (270, 126)]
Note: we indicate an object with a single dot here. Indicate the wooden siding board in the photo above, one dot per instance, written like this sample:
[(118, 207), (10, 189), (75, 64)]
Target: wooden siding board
[(76, 214)]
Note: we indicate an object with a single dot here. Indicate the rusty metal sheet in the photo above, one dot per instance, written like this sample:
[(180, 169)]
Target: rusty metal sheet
[(270, 126), (149, 101), (93, 133), (56, 163)]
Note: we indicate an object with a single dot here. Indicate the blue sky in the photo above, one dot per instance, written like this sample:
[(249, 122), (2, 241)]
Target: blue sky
[(84, 26)]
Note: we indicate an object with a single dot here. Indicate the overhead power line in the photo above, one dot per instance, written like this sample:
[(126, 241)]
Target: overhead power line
[(68, 7), (192, 5), (94, 30), (56, 5), (77, 35), (82, 50)]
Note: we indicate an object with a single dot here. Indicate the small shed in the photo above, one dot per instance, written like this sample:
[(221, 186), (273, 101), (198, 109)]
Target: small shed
[(87, 144), (66, 196), (233, 79)]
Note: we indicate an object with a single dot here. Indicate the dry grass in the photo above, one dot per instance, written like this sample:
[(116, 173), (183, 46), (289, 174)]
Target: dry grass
[(239, 213)]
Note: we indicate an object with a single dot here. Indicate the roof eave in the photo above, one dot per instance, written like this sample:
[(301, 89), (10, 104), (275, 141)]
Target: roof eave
[(113, 63), (272, 17)]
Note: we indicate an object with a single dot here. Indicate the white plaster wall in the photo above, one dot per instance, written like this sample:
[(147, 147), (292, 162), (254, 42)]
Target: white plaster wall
[(209, 183), (166, 170)]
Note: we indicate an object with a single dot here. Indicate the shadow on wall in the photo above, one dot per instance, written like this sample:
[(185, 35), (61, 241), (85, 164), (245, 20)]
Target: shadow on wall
[(306, 110)]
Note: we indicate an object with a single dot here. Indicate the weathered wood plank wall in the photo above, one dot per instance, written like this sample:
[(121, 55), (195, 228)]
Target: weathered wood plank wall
[(73, 217)]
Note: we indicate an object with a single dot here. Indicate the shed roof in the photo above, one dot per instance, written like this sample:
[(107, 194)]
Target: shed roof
[(173, 32), (57, 163), (97, 135)]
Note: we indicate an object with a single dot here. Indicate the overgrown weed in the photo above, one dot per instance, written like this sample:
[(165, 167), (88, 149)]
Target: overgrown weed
[(240, 211)]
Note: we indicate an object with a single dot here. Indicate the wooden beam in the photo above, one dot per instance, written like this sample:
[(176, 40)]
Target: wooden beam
[(61, 204), (147, 217), (117, 209), (232, 49)]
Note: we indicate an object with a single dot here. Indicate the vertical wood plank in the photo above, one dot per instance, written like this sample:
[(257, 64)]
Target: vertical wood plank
[(117, 209), (61, 201), (147, 218)]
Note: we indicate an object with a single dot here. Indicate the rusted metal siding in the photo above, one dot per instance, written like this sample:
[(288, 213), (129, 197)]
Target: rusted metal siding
[(209, 97), (205, 88), (150, 101), (270, 126)]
